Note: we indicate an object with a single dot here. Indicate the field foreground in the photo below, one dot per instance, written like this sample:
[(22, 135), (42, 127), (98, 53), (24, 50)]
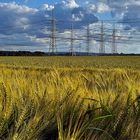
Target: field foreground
[(69, 98)]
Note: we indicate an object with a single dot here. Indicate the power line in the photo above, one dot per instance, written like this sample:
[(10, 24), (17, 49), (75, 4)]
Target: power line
[(136, 20), (88, 39), (52, 48), (102, 47), (114, 47), (72, 39), (54, 35)]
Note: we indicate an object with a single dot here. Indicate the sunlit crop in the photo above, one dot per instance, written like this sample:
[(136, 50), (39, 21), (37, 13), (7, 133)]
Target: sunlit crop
[(67, 98)]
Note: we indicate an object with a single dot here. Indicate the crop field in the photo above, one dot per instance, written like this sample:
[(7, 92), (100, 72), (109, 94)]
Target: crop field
[(109, 62), (70, 98)]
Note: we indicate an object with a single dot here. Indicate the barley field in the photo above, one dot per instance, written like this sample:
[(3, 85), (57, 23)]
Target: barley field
[(70, 98)]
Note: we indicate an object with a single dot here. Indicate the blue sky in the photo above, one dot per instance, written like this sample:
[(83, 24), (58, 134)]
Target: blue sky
[(32, 3), (24, 24), (37, 3)]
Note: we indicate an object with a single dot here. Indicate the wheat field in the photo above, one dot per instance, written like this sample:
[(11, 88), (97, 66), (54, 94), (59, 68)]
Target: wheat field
[(69, 98)]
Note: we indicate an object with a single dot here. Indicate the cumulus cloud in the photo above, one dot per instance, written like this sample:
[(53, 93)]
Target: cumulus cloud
[(122, 7), (126, 11), (70, 4), (70, 10), (98, 7), (21, 9), (47, 7), (102, 7), (19, 24), (15, 17), (25, 28)]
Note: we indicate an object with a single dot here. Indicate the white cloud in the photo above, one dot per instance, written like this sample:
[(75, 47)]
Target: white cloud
[(99, 7), (22, 22), (25, 28), (102, 7), (28, 27), (47, 7), (17, 8), (70, 4)]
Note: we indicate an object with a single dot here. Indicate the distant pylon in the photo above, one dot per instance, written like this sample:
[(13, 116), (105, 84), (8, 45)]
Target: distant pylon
[(72, 40), (88, 39), (52, 48), (80, 45), (114, 46), (102, 46)]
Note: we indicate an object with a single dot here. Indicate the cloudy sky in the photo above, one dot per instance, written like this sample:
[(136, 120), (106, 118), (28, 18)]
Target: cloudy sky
[(25, 24)]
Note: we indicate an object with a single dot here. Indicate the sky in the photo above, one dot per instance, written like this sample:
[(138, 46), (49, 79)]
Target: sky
[(25, 24)]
